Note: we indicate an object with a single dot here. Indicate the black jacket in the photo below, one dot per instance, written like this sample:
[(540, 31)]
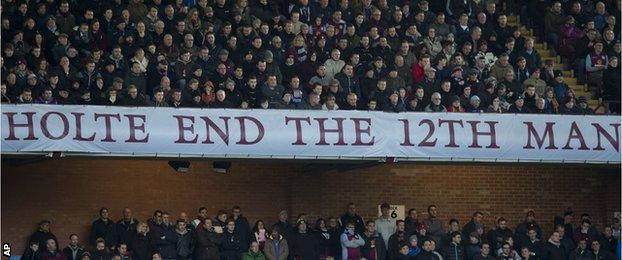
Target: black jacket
[(126, 230), (230, 248), (105, 230), (185, 244), (69, 253), (41, 237), (165, 241), (453, 252), (553, 252), (306, 246), (140, 246), (207, 243)]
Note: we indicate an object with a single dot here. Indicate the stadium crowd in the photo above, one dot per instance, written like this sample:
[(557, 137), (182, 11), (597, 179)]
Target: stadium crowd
[(229, 236), (389, 55)]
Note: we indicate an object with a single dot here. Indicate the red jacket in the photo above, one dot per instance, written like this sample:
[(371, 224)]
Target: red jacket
[(418, 73)]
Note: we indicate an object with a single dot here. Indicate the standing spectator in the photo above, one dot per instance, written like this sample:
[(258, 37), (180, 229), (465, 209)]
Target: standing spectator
[(242, 227), (454, 250), (351, 243), (276, 247), (306, 246), (207, 241), (126, 227), (140, 244), (185, 241), (397, 238), (434, 224), (595, 64), (42, 235), (352, 216), (385, 224), (553, 20), (32, 252), (231, 245), (104, 228), (374, 247), (497, 236)]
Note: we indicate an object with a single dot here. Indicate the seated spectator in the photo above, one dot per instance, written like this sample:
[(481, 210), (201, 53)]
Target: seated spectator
[(518, 107), (73, 251), (101, 251), (51, 251), (435, 104), (475, 105), (455, 105), (253, 252)]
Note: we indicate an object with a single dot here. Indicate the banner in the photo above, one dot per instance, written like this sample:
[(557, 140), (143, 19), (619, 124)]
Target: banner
[(306, 134)]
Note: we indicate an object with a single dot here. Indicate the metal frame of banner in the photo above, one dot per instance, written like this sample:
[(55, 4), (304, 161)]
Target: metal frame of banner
[(305, 157)]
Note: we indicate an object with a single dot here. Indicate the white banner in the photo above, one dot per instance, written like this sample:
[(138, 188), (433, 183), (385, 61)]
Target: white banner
[(304, 134)]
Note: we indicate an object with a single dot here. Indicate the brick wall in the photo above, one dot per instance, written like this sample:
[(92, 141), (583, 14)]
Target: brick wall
[(70, 191)]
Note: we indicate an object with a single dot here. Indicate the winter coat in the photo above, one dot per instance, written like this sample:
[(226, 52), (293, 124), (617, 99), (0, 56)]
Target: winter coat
[(105, 230), (140, 246), (269, 249), (207, 243)]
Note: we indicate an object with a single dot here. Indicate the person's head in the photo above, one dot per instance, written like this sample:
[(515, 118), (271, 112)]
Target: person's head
[(525, 253), (427, 245), (283, 216), (532, 233), (231, 225), (156, 256), (181, 224), (456, 237), (598, 47), (473, 238), (403, 248), (100, 244), (595, 246), (142, 228), (385, 209), (485, 248), (436, 100), (582, 244)]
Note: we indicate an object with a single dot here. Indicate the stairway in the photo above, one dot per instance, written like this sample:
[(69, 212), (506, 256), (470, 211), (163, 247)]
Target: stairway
[(545, 54)]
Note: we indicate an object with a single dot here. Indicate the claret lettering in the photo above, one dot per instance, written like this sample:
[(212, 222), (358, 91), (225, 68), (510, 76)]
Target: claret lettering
[(573, 137), (212, 127), (54, 125), (428, 133), (324, 129)]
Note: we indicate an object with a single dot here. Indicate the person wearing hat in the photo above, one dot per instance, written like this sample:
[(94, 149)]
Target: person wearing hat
[(475, 105), (519, 106), (42, 234), (583, 106)]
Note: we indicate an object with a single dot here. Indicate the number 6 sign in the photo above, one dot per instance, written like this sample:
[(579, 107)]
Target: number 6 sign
[(395, 211)]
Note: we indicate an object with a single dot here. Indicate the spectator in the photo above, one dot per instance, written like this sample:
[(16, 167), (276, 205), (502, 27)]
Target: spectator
[(374, 247), (253, 253), (32, 252), (553, 249), (484, 253), (581, 252), (435, 105), (411, 221), (126, 227), (568, 107), (207, 241), (454, 250), (306, 245), (101, 252), (497, 236), (185, 241), (104, 228), (385, 225), (397, 238), (553, 20), (433, 223), (597, 253), (73, 251), (596, 63), (277, 247), (51, 251), (351, 243), (351, 216)]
